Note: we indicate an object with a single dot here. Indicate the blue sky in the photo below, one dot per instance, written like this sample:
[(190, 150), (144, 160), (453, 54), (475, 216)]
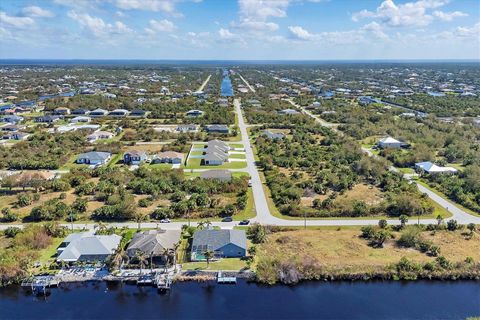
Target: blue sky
[(240, 29)]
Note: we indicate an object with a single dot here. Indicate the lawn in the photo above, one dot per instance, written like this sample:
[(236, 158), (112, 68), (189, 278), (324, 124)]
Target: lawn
[(225, 264), (237, 156), (195, 163)]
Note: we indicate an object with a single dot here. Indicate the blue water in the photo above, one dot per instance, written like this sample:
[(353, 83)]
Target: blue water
[(226, 89), (192, 300)]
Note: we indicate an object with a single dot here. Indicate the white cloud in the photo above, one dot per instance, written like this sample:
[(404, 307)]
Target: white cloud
[(97, 27), (409, 14), (17, 22), (298, 32), (167, 6), (449, 16), (225, 34), (256, 26), (34, 11), (164, 25), (263, 9)]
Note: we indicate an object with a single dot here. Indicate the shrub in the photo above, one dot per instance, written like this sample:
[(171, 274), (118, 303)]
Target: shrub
[(452, 225), (383, 223), (11, 232), (256, 233), (8, 215), (409, 237), (23, 200), (145, 202), (368, 232)]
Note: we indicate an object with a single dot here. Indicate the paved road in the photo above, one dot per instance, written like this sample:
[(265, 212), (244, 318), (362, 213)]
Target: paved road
[(248, 84), (200, 90)]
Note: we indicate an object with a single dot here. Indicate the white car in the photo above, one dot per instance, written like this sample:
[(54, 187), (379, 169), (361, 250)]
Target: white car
[(165, 220), (250, 183)]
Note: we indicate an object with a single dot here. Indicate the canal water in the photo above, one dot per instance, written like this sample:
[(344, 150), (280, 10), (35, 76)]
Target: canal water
[(226, 89), (194, 300)]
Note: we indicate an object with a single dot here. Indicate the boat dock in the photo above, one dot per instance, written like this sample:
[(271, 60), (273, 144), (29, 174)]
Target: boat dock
[(221, 279), (163, 281), (39, 284)]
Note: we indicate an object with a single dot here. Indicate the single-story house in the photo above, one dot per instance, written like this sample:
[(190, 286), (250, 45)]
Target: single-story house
[(134, 157), (83, 119), (222, 175), (154, 243), (118, 113), (217, 128), (185, 128), (288, 112), (15, 136), (98, 113), (31, 104), (80, 111), (61, 111), (138, 113), (216, 152), (273, 135), (94, 158), (11, 119), (222, 102), (391, 143), (11, 128), (168, 157), (47, 119), (432, 168), (223, 243), (194, 113), (366, 100), (100, 135), (87, 247)]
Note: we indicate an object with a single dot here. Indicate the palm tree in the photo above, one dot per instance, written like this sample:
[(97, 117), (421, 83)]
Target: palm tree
[(208, 256), (141, 257), (118, 258), (175, 248), (101, 227), (403, 220), (166, 256)]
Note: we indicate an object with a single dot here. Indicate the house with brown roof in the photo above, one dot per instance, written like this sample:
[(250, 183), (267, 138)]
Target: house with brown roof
[(168, 157)]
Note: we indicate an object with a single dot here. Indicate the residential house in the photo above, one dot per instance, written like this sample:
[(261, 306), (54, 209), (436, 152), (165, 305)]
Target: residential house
[(273, 135), (390, 143), (94, 158), (99, 135), (138, 113), (216, 153), (217, 128), (221, 175), (11, 119), (224, 244), (118, 113), (168, 157), (185, 128), (154, 244), (134, 157), (62, 111), (98, 113), (31, 104), (80, 111), (222, 102), (87, 247), (47, 119), (432, 168), (288, 112), (366, 100), (194, 113), (11, 127), (81, 119), (15, 136)]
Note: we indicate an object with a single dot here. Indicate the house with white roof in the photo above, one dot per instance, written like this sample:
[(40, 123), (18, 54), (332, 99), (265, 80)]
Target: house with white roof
[(390, 143), (87, 247), (432, 168)]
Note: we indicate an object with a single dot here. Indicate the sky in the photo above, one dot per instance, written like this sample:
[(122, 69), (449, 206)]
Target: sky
[(240, 29)]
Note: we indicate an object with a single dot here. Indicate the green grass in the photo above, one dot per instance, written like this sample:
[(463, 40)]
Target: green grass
[(71, 164), (47, 254), (195, 163), (230, 264), (238, 156), (406, 170), (249, 211), (236, 145), (115, 159)]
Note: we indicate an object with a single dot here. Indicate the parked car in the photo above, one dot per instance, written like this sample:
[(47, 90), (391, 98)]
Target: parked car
[(244, 222), (250, 182), (165, 220), (227, 219)]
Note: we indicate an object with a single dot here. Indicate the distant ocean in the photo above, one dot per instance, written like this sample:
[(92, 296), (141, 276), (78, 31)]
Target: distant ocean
[(111, 62)]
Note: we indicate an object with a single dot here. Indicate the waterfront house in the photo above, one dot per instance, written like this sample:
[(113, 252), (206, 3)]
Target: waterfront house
[(94, 158), (185, 128), (390, 143), (221, 175), (154, 244), (80, 111), (194, 113), (168, 157), (223, 243), (273, 135), (134, 157), (81, 119), (431, 168), (98, 113), (87, 247), (118, 113), (99, 135), (47, 119), (217, 128)]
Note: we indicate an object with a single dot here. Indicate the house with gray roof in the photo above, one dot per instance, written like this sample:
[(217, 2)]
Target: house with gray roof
[(87, 247), (134, 157), (216, 153), (94, 158), (98, 113), (272, 135), (288, 112), (154, 243), (217, 128), (224, 243)]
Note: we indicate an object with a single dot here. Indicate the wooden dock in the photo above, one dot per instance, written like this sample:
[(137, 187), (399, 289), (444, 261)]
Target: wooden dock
[(40, 284), (163, 281), (221, 279)]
